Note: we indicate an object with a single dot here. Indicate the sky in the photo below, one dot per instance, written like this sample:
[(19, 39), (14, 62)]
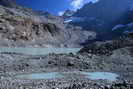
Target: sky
[(56, 7)]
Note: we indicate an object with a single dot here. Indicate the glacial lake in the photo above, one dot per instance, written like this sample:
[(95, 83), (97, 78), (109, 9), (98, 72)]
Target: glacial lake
[(52, 75), (101, 75), (39, 51)]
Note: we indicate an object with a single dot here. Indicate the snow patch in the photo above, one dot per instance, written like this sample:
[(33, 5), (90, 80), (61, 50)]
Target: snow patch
[(118, 26), (74, 19)]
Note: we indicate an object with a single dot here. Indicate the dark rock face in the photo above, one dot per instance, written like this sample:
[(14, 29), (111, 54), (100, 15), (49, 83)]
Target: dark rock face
[(8, 3), (121, 29), (106, 48), (105, 10), (102, 16), (68, 13), (131, 35)]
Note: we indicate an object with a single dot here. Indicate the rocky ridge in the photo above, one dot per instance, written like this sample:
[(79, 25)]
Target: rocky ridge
[(20, 26), (104, 16), (107, 47)]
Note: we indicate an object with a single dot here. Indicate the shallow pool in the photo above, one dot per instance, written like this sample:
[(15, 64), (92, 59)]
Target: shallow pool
[(51, 75), (39, 51), (100, 75)]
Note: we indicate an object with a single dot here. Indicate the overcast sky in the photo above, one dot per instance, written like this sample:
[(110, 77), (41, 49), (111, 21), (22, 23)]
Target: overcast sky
[(56, 7)]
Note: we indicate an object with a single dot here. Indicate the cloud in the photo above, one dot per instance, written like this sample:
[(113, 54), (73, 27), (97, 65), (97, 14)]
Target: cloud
[(94, 1), (60, 13), (77, 4)]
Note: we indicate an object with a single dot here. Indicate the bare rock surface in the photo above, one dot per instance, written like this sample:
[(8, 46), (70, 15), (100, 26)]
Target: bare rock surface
[(20, 26)]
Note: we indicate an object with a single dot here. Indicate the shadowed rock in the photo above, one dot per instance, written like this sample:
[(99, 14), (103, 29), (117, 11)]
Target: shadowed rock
[(106, 48)]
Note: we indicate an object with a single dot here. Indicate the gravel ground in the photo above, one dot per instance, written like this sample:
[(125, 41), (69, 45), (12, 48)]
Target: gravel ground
[(119, 62)]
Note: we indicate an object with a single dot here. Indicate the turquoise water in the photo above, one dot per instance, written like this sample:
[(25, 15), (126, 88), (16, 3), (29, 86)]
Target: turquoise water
[(101, 75), (51, 75), (39, 51)]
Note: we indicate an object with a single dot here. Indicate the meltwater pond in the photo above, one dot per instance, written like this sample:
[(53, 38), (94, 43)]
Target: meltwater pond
[(51, 75), (39, 51), (101, 75)]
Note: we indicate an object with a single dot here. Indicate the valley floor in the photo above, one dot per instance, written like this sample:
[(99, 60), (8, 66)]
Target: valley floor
[(120, 63), (24, 27)]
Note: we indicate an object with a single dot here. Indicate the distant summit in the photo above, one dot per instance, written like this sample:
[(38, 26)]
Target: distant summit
[(103, 15), (8, 3), (68, 13), (108, 11), (104, 8)]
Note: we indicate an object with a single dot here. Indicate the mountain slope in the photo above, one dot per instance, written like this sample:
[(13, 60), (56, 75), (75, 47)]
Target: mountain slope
[(104, 9), (103, 15), (21, 26)]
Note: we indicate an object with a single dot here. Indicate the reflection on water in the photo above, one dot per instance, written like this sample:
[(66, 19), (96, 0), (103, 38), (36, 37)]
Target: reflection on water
[(101, 75), (39, 51), (51, 75)]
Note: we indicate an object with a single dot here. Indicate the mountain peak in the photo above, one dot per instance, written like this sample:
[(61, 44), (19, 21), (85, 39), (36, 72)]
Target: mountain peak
[(68, 13), (8, 3)]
